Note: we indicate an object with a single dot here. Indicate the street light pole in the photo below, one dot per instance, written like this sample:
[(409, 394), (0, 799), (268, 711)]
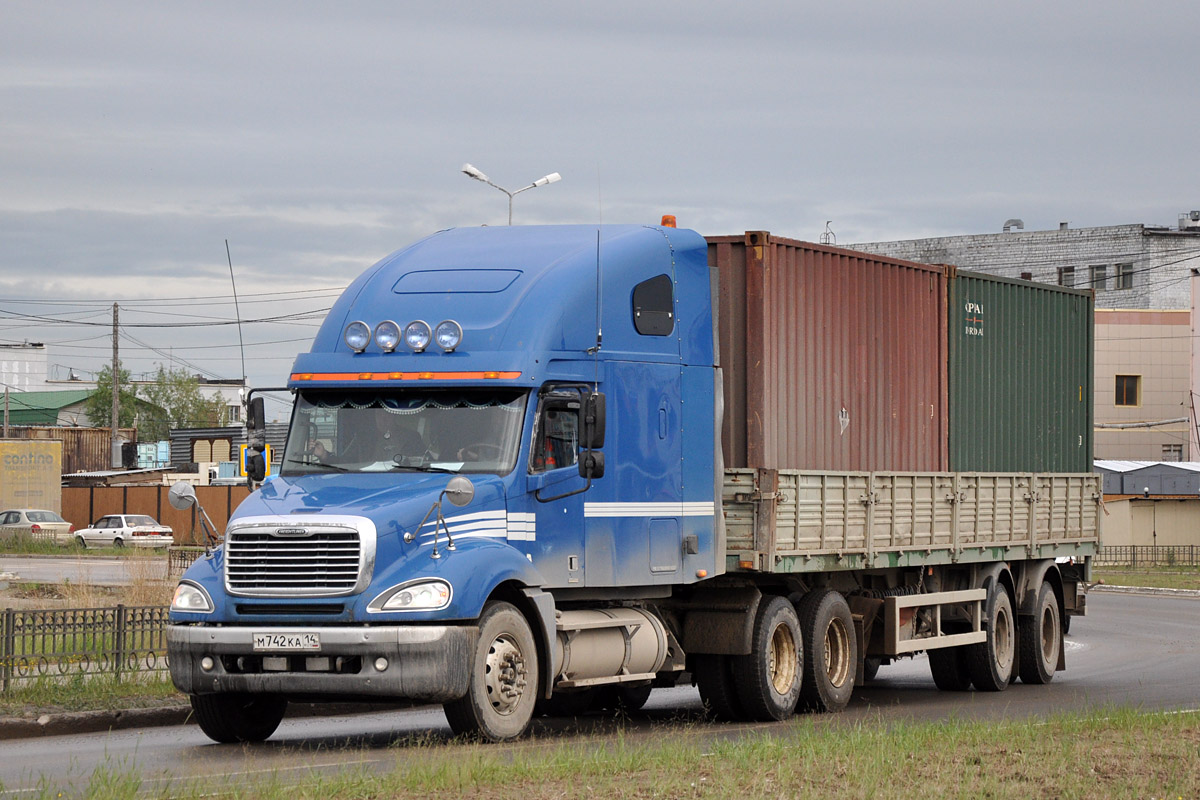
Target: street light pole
[(475, 173)]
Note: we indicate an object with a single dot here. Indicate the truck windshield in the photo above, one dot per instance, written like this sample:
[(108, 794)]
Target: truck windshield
[(397, 430)]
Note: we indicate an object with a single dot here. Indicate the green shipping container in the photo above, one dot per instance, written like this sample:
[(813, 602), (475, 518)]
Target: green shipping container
[(1020, 375)]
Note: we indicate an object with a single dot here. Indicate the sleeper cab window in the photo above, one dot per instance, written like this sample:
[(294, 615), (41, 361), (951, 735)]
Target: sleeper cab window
[(653, 307)]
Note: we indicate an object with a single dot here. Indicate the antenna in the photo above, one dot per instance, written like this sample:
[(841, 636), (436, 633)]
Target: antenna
[(595, 349), (238, 312)]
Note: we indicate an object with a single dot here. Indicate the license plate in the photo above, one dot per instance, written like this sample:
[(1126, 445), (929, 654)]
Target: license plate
[(277, 642)]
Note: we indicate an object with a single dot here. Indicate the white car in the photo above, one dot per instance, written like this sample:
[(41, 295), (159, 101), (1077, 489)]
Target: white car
[(121, 530), (35, 524)]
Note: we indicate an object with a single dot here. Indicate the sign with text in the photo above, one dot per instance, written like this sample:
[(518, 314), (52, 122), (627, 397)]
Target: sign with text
[(31, 474)]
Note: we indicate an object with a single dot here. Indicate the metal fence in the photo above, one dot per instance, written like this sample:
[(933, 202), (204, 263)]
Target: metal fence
[(1184, 555), (179, 558), (120, 641)]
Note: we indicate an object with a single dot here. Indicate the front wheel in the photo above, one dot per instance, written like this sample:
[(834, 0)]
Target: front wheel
[(237, 716), (503, 691)]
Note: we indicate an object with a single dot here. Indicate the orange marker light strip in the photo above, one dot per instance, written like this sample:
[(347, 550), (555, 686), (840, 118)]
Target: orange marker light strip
[(404, 376)]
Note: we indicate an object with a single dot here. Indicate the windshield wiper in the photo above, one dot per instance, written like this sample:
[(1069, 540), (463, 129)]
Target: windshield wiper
[(423, 468), (319, 466)]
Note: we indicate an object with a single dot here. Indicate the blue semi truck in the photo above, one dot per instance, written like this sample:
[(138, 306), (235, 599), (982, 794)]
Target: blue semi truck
[(504, 491)]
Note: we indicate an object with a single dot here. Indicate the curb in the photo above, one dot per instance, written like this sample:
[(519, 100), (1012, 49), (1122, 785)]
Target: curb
[(92, 721), (60, 724), (1146, 590)]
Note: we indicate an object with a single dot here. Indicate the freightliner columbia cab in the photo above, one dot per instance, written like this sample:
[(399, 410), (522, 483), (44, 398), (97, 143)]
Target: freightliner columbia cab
[(501, 477)]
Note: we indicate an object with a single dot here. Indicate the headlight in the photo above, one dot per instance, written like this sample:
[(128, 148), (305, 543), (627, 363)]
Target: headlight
[(357, 336), (417, 334), (448, 335), (191, 598), (418, 596), (387, 335)]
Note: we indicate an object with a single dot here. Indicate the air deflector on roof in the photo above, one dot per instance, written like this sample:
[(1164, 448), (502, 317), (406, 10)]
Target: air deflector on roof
[(456, 281)]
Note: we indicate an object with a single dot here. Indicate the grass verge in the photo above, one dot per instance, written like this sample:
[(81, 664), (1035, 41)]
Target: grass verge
[(1119, 754), (88, 693), (1157, 577)]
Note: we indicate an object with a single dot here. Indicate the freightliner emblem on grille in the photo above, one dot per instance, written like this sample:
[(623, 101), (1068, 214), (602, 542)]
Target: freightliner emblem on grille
[(291, 532)]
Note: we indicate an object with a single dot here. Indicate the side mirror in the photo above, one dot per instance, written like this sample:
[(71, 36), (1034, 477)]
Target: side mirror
[(256, 424), (256, 465), (182, 495), (591, 465), (591, 421), (460, 491)]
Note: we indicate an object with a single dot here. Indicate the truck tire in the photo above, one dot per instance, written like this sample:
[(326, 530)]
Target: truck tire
[(991, 663), (238, 717), (831, 650), (768, 680), (1041, 639), (623, 699), (714, 678), (870, 669), (567, 704), (503, 687), (948, 665)]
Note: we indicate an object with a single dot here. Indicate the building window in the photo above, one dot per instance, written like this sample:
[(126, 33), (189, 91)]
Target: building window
[(1129, 390), (1099, 279), (1066, 276), (235, 413), (1124, 277), (1172, 452)]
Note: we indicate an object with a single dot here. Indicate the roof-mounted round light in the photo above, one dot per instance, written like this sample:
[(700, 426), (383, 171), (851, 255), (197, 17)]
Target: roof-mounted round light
[(448, 335), (387, 335), (417, 335), (357, 336)]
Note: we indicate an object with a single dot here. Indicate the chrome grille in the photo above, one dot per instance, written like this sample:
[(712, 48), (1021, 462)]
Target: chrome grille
[(307, 560)]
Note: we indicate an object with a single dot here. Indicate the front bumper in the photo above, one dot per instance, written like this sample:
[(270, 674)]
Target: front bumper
[(428, 663)]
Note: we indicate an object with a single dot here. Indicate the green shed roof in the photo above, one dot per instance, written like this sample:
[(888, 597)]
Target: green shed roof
[(42, 408)]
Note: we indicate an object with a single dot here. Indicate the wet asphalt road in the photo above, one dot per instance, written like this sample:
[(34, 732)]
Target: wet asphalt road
[(1131, 650)]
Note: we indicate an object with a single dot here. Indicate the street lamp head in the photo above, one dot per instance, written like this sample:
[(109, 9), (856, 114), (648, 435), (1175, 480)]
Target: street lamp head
[(553, 177), (471, 172)]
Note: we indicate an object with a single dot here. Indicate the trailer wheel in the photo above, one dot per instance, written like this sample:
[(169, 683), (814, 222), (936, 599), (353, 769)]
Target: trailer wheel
[(499, 703), (237, 716), (831, 648), (948, 665), (768, 680), (1041, 639), (714, 678), (870, 668), (990, 663)]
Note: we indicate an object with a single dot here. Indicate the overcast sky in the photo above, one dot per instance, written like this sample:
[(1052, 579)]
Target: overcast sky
[(135, 138)]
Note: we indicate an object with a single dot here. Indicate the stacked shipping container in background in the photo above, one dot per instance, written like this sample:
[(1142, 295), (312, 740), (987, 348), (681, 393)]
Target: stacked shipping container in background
[(839, 360)]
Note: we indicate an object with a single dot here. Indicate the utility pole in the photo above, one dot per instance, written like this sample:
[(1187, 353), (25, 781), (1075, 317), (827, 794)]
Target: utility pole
[(116, 397)]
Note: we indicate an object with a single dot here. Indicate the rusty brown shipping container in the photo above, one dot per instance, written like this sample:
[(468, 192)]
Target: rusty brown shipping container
[(84, 449), (832, 359)]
